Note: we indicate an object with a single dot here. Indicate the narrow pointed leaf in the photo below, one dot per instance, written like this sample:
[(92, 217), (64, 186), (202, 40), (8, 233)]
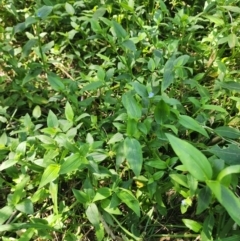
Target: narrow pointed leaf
[(50, 174), (191, 124), (69, 112), (193, 160), (133, 108)]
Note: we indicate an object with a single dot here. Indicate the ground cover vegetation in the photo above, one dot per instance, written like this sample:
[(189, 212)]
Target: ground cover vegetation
[(119, 120)]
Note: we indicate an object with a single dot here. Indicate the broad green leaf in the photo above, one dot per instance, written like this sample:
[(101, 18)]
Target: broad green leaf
[(133, 154), (53, 190), (52, 120), (119, 30), (71, 164), (234, 9), (168, 74), (99, 13), (26, 206), (28, 47), (227, 199), (230, 154), (111, 205), (129, 199), (50, 174), (44, 11), (5, 214), (230, 85), (133, 108), (95, 26), (81, 196), (130, 45), (93, 215), (191, 124), (214, 108), (228, 171), (69, 8), (18, 193), (27, 235), (158, 164), (115, 138), (92, 86), (69, 112), (131, 127), (227, 132), (55, 82), (193, 160), (207, 229), (181, 60), (181, 179), (161, 112), (140, 89), (102, 193), (8, 163), (37, 112), (232, 40), (203, 199), (151, 65), (216, 20), (193, 225)]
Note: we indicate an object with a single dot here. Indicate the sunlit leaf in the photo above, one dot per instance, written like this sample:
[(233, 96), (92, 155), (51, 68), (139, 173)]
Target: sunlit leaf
[(50, 174), (194, 161)]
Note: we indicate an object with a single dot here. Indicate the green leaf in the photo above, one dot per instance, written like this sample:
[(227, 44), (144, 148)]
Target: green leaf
[(151, 65), (193, 160), (119, 30), (28, 47), (230, 154), (95, 26), (93, 215), (81, 196), (69, 112), (140, 89), (102, 193), (92, 86), (129, 199), (55, 82), (190, 123), (204, 199), (52, 120), (161, 112), (227, 199), (193, 225), (5, 214), (133, 108), (216, 20), (232, 40), (232, 8), (214, 108), (133, 154), (44, 11), (130, 45), (71, 164), (181, 179), (181, 61), (158, 164), (50, 174), (69, 9), (26, 206), (115, 138), (228, 171), (227, 132), (230, 85), (168, 74), (37, 112)]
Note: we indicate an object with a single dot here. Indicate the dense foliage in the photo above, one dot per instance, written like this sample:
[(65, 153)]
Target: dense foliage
[(119, 120)]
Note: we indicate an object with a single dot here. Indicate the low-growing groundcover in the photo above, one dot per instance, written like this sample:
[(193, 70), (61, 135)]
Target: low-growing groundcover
[(119, 120)]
